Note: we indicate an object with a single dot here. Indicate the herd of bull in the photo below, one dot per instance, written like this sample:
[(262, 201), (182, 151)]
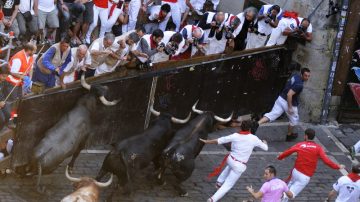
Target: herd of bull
[(158, 144)]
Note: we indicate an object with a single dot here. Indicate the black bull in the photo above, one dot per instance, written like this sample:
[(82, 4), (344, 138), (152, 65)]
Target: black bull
[(137, 152), (68, 137), (179, 156)]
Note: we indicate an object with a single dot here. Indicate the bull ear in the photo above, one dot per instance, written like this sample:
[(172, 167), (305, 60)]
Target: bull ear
[(83, 82), (222, 119), (105, 184), (106, 102), (196, 110), (181, 121), (72, 179)]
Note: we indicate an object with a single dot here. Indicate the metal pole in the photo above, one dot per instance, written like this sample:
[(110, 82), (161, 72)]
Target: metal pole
[(338, 39), (151, 102)]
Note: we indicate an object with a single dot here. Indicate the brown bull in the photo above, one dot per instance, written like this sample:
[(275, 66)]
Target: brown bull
[(86, 189)]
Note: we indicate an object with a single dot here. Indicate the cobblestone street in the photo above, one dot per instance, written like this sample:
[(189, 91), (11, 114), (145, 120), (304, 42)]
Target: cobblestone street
[(199, 188)]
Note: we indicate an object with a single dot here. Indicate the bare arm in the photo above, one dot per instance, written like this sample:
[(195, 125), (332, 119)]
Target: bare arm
[(308, 36), (331, 195), (214, 141), (36, 8), (289, 99), (14, 14), (289, 194), (256, 195)]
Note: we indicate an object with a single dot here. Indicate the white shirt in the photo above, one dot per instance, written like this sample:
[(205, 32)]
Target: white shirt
[(266, 28), (46, 5), (197, 4), (75, 67), (166, 39), (25, 6), (348, 191), (242, 145), (154, 13)]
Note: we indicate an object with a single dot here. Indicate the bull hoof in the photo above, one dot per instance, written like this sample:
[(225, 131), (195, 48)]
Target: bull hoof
[(41, 189)]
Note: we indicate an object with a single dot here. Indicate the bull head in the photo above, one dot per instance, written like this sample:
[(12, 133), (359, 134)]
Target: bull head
[(198, 111), (173, 119), (101, 97), (99, 184)]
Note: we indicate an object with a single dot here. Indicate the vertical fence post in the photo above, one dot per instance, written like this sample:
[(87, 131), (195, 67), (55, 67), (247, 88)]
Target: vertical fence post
[(151, 102)]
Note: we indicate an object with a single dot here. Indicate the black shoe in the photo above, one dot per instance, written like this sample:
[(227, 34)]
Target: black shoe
[(291, 137), (352, 152)]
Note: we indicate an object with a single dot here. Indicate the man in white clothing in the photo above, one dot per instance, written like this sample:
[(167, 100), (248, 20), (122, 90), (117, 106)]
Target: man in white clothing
[(134, 8), (173, 43), (242, 145), (80, 60), (347, 187), (100, 10)]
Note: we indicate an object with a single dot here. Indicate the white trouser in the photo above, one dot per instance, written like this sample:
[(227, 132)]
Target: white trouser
[(134, 8), (297, 183), (255, 41), (111, 21), (175, 14), (104, 68), (279, 108), (103, 13), (228, 177), (357, 147), (276, 37)]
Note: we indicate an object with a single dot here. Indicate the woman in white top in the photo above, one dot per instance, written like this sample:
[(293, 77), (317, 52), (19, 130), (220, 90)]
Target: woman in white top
[(242, 145)]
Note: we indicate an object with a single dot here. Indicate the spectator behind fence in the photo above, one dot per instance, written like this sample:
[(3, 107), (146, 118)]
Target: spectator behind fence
[(21, 65), (248, 20), (159, 17), (71, 12), (9, 22), (80, 60), (48, 16), (100, 10), (100, 49), (268, 19), (27, 19), (149, 45), (52, 63)]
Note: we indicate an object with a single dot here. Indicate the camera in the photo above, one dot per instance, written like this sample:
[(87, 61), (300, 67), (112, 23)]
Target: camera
[(170, 48), (268, 19), (252, 27), (195, 41), (161, 45), (302, 29), (229, 32), (217, 25)]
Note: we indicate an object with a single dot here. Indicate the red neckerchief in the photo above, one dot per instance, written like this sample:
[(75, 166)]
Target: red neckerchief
[(161, 16), (354, 176), (193, 27), (231, 19), (112, 8), (244, 132), (292, 14), (153, 44)]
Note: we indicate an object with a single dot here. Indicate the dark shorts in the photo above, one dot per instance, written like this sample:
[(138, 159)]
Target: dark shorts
[(88, 14)]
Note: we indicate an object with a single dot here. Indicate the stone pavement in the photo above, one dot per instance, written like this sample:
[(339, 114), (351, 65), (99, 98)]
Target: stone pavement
[(199, 188)]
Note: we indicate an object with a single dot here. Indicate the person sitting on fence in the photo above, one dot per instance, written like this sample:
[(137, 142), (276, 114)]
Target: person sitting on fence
[(21, 65), (52, 63), (80, 60)]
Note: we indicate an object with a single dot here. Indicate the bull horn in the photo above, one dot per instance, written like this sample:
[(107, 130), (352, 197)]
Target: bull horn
[(72, 179), (153, 111), (106, 102), (224, 120), (181, 121), (196, 110), (83, 82), (105, 184)]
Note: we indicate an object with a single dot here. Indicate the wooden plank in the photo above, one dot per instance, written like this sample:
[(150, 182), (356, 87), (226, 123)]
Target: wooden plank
[(5, 163), (347, 48)]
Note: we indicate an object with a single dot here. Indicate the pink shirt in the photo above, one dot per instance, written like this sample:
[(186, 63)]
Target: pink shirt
[(272, 190)]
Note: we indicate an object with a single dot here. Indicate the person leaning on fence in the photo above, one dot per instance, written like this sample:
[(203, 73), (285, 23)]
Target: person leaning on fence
[(21, 66), (52, 63)]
